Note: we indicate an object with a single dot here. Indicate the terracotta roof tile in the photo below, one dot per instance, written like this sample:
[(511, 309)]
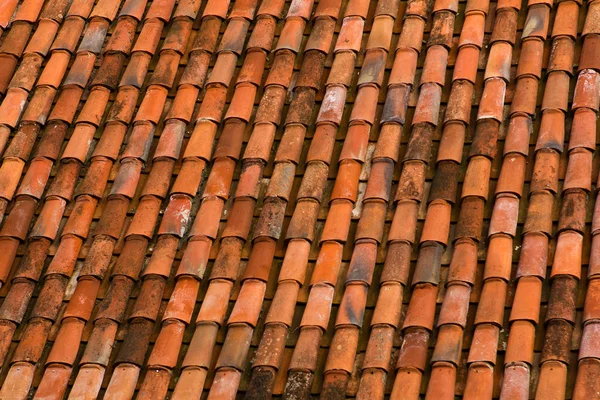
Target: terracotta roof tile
[(288, 198)]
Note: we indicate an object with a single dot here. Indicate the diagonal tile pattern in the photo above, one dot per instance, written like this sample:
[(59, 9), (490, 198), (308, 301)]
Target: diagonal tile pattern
[(294, 198)]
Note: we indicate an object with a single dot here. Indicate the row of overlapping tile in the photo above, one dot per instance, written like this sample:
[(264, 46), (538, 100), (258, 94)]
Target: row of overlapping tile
[(204, 196)]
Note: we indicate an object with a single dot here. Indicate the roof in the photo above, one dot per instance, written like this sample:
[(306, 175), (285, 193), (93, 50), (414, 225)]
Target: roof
[(334, 198)]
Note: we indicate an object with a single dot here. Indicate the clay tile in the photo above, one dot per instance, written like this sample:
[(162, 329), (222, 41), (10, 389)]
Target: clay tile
[(484, 345), (350, 35), (586, 90), (166, 69), (43, 37), (534, 256), (160, 9), (145, 218), (466, 64), (355, 145), (48, 221), (420, 144), (107, 10), (411, 36), (379, 184), (498, 65), (220, 178), (318, 307), (404, 223), (455, 306), (16, 39), (373, 68), (566, 24), (176, 216), (491, 303), (321, 36), (178, 35), (12, 106), (149, 37), (79, 143), (25, 76), (428, 264), (133, 8), (9, 179), (492, 100), (499, 257), (242, 103), (403, 70), (472, 31), (152, 105), (381, 33), (518, 136), (7, 11), (54, 70), (525, 99), (539, 213), (339, 360), (526, 304), (81, 217), (442, 29), (413, 352), (428, 104), (591, 21), (332, 105), (252, 69), (233, 355), (346, 184), (233, 38), (583, 130), (362, 264), (421, 308), (291, 35), (337, 224), (567, 256), (536, 24), (211, 108), (352, 307), (365, 104), (512, 175), (477, 178), (418, 8), (281, 181), (572, 213), (446, 5), (556, 93), (434, 69), (515, 6), (182, 301), (28, 11), (578, 175), (342, 70), (39, 106), (591, 311), (164, 353), (531, 58), (262, 35), (451, 146), (122, 37), (437, 222), (171, 139), (270, 222), (385, 312), (69, 34), (205, 224), (585, 384), (35, 178)]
